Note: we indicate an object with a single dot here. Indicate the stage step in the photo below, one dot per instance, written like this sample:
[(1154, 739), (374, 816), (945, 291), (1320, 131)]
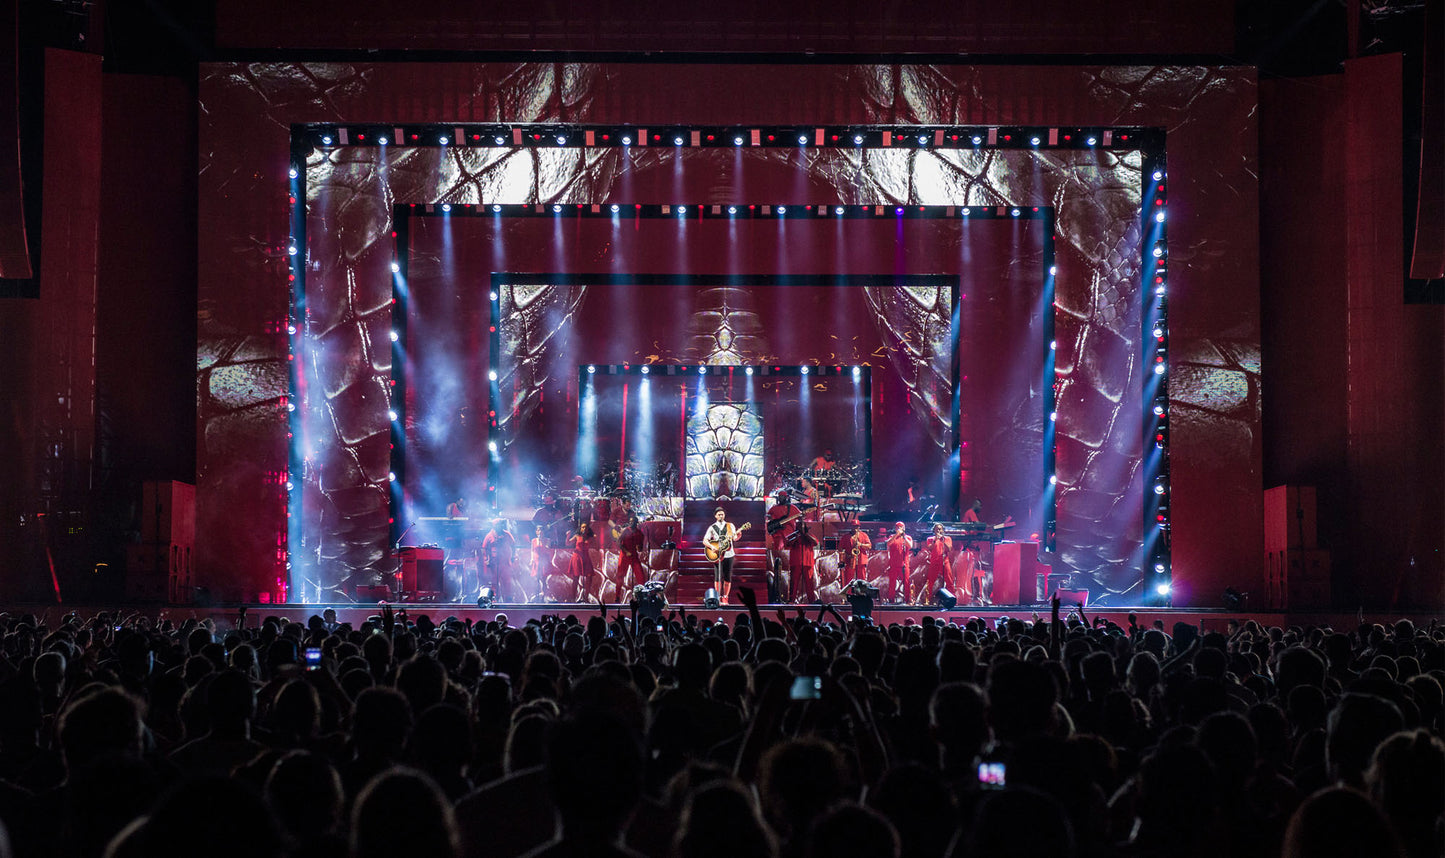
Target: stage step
[(695, 573)]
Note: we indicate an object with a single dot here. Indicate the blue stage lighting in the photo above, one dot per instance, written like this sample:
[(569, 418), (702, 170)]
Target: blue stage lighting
[(858, 139), (804, 370), (292, 172), (702, 370), (802, 140), (395, 337), (645, 370), (395, 267), (857, 371), (1091, 141), (1053, 480), (738, 141), (838, 210), (732, 209), (1159, 216), (1158, 369), (1162, 589), (977, 140), (1158, 174), (500, 140), (748, 371), (591, 369), (626, 141), (782, 209), (677, 140), (381, 140), (556, 209), (496, 208), (326, 140), (1015, 212), (391, 415), (616, 208), (492, 445), (391, 476), (446, 207), (491, 375), (561, 140), (923, 140)]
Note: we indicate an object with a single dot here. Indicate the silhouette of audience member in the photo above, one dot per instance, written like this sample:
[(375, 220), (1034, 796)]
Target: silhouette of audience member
[(721, 820), (304, 791), (402, 812), (1406, 780), (591, 821), (230, 704), (799, 780), (1002, 816), (1357, 724), (1339, 822), (218, 816), (851, 831)]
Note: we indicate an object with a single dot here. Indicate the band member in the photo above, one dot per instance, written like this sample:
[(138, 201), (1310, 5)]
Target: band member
[(900, 546), (550, 518), (539, 547), (857, 546), (975, 512), (940, 563), (782, 521), (811, 499), (629, 556), (825, 462), (801, 545), (581, 569), (499, 552), (457, 508), (720, 536)]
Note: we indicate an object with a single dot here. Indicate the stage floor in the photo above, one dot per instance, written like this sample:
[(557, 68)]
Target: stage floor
[(226, 615)]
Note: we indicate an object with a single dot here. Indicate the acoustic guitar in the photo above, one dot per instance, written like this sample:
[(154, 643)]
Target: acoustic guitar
[(715, 551)]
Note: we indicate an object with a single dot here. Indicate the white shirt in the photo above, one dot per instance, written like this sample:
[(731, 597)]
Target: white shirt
[(720, 531)]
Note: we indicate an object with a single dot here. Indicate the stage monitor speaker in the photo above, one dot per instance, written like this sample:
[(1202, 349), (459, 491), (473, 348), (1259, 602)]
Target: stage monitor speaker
[(372, 593), (421, 570)]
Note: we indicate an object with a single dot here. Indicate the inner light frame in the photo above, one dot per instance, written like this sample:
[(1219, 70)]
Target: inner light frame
[(306, 138)]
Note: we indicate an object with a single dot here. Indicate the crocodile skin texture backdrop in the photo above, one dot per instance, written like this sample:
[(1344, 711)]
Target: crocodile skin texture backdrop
[(243, 295)]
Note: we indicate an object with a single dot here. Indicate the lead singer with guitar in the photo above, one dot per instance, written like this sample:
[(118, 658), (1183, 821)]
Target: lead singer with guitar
[(719, 544)]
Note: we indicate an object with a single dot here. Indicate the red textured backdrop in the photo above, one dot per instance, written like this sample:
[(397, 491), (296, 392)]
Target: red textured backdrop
[(1214, 255)]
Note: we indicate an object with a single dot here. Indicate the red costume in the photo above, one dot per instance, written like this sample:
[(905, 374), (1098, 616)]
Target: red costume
[(940, 563), (778, 539), (581, 569), (498, 551), (899, 547), (629, 559), (856, 563), (800, 564)]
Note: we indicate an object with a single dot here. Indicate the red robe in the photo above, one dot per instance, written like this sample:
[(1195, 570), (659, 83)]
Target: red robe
[(800, 565), (629, 559), (940, 562), (778, 540), (899, 547), (856, 565)]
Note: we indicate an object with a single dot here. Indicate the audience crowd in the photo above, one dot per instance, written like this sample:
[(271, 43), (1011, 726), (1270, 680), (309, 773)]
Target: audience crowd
[(777, 735)]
